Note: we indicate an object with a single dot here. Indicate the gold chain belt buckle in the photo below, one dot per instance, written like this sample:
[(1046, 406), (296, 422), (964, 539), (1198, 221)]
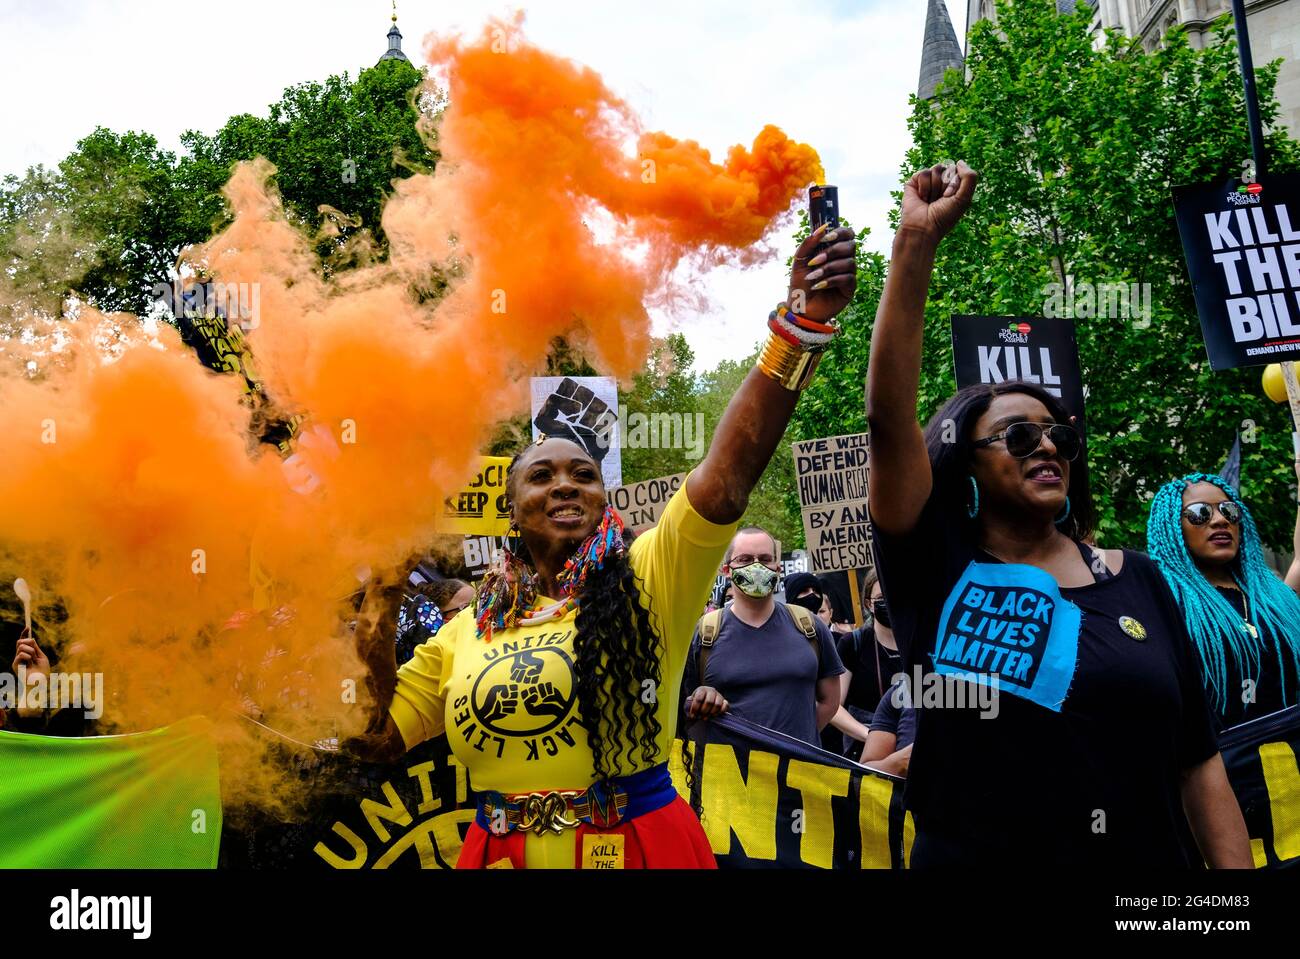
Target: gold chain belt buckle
[(545, 811)]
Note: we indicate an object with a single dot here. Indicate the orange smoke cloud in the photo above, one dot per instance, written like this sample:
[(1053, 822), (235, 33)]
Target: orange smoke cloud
[(146, 515)]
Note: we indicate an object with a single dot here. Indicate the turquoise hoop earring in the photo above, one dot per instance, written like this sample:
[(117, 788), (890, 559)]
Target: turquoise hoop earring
[(973, 511), (1066, 515)]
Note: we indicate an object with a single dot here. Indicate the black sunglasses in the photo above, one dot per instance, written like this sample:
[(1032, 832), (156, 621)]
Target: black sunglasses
[(1024, 439), (1198, 514)]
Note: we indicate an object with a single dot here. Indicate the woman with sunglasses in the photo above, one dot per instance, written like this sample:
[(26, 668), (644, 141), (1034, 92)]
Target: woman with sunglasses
[(1063, 719), (1243, 619)]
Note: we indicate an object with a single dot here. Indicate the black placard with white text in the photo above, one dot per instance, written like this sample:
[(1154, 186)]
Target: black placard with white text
[(994, 349), (1242, 245)]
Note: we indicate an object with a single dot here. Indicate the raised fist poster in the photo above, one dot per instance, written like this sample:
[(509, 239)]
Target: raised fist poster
[(583, 409)]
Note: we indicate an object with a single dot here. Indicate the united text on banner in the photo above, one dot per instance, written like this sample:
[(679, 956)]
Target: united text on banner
[(771, 801)]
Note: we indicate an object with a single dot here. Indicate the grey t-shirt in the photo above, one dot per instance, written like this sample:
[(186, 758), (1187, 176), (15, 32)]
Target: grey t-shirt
[(768, 674)]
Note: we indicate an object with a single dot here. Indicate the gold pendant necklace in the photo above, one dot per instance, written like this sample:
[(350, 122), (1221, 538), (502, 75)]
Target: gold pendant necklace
[(1246, 624)]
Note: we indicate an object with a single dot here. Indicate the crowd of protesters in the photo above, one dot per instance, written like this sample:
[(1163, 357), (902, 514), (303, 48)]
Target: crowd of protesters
[(1143, 658)]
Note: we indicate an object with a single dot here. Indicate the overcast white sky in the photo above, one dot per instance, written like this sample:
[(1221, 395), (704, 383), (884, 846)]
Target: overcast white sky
[(832, 73)]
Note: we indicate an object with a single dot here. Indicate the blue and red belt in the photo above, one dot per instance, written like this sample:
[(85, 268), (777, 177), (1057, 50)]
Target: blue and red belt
[(602, 804)]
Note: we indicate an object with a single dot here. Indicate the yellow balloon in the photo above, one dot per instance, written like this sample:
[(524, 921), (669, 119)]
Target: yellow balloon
[(1274, 384)]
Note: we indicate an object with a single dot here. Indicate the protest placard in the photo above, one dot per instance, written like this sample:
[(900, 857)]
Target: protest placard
[(994, 349), (641, 504), (831, 475), (479, 507), (583, 409), (1242, 248)]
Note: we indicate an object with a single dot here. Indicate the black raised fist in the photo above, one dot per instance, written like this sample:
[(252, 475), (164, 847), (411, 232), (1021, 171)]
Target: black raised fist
[(501, 702), (544, 700), (575, 413)]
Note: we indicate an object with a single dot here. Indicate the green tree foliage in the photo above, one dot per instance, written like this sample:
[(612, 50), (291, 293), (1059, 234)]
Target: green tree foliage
[(1078, 148), (771, 499), (661, 407), (105, 224), (112, 219), (337, 144)]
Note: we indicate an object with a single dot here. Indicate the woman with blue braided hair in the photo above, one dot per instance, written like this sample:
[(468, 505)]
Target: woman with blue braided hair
[(1243, 619), (559, 690)]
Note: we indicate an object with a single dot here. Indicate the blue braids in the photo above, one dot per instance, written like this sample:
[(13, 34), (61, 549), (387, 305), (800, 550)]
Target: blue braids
[(1212, 622)]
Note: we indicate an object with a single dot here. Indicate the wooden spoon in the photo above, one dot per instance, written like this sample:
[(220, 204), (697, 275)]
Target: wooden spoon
[(24, 594)]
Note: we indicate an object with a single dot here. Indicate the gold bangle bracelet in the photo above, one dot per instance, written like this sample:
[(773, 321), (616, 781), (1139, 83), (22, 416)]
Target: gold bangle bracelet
[(790, 366)]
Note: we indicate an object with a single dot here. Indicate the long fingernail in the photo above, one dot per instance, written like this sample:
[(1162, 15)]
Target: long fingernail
[(821, 229), (817, 260), (814, 275), (822, 285)]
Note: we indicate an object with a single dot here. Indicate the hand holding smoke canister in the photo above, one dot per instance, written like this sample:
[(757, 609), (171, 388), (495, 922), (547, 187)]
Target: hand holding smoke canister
[(822, 283), (823, 206)]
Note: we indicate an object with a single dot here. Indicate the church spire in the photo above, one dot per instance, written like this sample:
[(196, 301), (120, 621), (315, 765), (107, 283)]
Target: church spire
[(394, 51), (939, 50)]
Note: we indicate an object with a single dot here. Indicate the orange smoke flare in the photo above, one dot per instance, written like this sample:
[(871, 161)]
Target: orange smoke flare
[(130, 493)]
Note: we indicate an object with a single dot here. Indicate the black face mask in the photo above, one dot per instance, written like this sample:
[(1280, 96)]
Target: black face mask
[(880, 613), (812, 603)]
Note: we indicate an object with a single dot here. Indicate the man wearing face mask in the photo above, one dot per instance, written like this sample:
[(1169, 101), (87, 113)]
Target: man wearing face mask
[(772, 664)]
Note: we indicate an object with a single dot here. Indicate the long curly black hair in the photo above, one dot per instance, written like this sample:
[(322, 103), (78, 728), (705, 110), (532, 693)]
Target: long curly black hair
[(617, 653)]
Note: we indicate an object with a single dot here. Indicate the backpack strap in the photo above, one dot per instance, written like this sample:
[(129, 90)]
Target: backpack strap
[(803, 618), (709, 626)]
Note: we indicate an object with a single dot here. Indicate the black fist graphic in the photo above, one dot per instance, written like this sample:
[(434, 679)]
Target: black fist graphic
[(526, 668), (575, 413), (501, 701), (544, 700)]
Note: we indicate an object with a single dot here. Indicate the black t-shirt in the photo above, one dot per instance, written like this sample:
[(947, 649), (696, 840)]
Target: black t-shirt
[(1100, 712), (768, 674), (1274, 676), (873, 666)]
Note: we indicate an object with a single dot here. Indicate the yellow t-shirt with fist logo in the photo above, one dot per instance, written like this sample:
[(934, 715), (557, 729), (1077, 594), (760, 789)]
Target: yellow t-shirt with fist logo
[(510, 706)]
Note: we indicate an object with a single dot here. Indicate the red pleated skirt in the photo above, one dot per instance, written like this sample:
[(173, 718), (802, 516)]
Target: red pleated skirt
[(668, 838)]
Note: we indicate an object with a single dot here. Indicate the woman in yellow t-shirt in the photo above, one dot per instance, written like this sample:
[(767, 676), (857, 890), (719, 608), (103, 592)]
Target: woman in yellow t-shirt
[(558, 691)]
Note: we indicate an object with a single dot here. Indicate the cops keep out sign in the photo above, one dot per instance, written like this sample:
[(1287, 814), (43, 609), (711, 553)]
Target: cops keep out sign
[(1242, 244), (832, 477), (994, 349)]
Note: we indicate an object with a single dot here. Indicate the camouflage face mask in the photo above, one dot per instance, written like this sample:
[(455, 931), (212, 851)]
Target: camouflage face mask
[(755, 580)]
